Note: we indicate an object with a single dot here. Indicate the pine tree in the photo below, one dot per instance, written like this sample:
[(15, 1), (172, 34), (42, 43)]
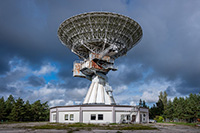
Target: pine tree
[(175, 108), (28, 116), (144, 104), (18, 111), (181, 108), (152, 112), (140, 103), (161, 95), (163, 98), (187, 115), (45, 112), (192, 111), (2, 109), (160, 108), (168, 113), (198, 106), (9, 104), (40, 111)]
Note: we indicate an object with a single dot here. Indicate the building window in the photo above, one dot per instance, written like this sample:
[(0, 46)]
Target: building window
[(71, 117), (93, 116), (122, 117), (100, 116), (66, 117), (54, 117), (128, 117)]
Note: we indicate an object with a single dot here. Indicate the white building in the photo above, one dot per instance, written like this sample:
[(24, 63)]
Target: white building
[(99, 114)]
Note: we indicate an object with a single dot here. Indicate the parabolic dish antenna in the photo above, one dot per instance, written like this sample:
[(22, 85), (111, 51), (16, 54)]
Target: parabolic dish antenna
[(98, 38)]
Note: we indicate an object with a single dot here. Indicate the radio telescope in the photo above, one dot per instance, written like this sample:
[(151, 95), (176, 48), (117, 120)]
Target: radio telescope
[(98, 38)]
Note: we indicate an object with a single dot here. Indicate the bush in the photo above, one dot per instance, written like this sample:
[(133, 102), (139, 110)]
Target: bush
[(159, 119)]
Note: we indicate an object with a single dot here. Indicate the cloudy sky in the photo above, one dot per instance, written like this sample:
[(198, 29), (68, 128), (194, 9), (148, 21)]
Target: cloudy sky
[(35, 65)]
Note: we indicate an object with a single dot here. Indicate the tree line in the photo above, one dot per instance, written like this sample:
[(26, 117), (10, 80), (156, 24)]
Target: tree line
[(19, 110), (181, 109)]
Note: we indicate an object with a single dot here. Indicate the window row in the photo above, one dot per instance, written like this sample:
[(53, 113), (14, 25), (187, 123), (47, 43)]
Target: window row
[(93, 117), (125, 117), (69, 117)]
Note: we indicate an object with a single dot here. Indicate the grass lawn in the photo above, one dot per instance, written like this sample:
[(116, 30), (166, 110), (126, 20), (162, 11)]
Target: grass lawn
[(89, 127)]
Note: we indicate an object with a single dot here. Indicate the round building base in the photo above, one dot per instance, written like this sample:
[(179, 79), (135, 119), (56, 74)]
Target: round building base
[(99, 114)]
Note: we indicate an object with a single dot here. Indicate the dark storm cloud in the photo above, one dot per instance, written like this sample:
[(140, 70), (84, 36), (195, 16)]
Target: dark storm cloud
[(170, 44), (189, 85), (126, 74), (169, 47), (65, 73), (3, 65), (36, 81), (74, 82), (29, 28)]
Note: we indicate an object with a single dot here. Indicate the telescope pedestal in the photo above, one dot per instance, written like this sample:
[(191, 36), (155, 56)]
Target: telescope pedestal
[(99, 92)]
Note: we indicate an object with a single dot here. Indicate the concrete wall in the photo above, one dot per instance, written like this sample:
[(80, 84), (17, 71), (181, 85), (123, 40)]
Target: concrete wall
[(111, 114), (62, 117), (144, 115), (107, 116), (52, 115), (119, 114)]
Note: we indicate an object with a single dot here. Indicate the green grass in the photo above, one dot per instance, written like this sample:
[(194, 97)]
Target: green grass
[(60, 126), (114, 124), (89, 127), (48, 126), (82, 125), (182, 123)]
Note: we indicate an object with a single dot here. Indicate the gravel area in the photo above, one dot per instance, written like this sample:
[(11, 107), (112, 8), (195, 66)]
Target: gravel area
[(162, 128)]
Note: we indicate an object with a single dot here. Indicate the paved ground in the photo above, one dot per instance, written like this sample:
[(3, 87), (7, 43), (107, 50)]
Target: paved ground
[(162, 128)]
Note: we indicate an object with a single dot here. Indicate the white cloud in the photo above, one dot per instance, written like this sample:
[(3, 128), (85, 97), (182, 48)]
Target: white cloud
[(126, 99), (44, 91), (148, 92), (133, 103), (48, 68), (120, 89), (77, 102), (151, 91), (56, 102), (62, 96), (76, 93), (70, 102), (150, 97)]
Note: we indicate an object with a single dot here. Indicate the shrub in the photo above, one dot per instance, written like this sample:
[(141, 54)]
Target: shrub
[(159, 119)]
